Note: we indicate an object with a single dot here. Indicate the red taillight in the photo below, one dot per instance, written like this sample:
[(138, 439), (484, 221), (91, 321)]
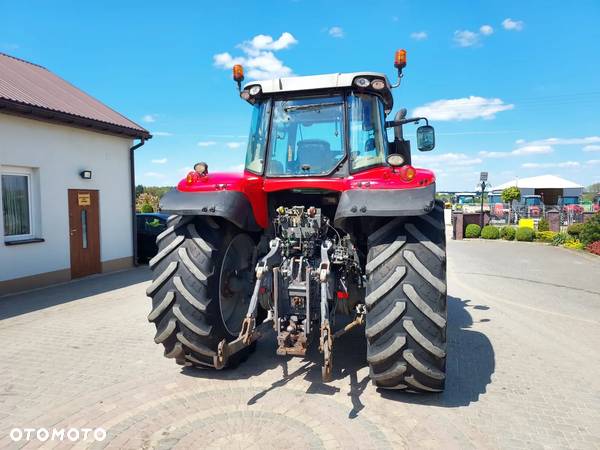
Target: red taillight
[(407, 173), (341, 295), (192, 177)]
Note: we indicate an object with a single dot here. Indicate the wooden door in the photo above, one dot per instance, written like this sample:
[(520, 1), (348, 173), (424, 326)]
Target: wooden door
[(84, 231)]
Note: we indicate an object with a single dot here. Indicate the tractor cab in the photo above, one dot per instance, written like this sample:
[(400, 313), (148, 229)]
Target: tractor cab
[(331, 125), (532, 206)]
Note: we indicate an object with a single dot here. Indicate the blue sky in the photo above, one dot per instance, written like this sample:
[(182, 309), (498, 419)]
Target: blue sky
[(512, 87)]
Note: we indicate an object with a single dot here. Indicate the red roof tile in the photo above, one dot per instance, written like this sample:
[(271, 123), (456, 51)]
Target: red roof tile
[(24, 83)]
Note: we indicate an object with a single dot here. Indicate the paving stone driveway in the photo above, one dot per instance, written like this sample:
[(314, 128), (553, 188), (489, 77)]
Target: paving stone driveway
[(523, 369)]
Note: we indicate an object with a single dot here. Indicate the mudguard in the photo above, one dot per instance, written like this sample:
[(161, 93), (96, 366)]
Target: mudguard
[(385, 203), (231, 205)]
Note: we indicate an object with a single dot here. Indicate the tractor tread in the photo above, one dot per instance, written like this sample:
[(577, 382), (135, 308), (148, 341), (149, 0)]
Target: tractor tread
[(161, 278), (372, 298), (422, 305), (420, 268), (162, 253), (162, 306), (406, 303), (188, 296), (386, 318), (385, 255), (185, 290)]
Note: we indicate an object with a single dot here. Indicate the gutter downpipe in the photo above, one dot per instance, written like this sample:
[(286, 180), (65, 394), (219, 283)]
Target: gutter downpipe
[(132, 183)]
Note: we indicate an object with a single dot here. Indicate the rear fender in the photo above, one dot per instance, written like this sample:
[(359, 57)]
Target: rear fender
[(384, 203)]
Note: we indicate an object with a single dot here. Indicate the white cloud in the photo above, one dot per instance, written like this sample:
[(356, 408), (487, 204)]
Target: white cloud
[(563, 141), (591, 148), (521, 151), (465, 108), (234, 144), (533, 150), (160, 161), (259, 60), (593, 161), (486, 30), (563, 165), (206, 143), (149, 118), (466, 38), (336, 32), (446, 159), (512, 25), (419, 35), (161, 133), (154, 175)]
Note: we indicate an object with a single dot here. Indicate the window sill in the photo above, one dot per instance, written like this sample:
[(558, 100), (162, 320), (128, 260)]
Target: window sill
[(24, 241)]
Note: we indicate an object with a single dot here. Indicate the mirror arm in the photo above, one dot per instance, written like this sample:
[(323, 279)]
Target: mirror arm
[(396, 123)]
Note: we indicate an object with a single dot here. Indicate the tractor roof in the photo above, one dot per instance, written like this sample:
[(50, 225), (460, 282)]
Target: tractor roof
[(324, 82)]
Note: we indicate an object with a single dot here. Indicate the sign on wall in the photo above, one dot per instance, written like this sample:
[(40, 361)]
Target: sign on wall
[(84, 199)]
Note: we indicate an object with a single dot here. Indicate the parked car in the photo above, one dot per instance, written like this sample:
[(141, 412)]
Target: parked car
[(149, 225)]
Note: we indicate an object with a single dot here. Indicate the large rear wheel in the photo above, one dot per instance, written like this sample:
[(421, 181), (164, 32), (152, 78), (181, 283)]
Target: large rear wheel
[(201, 287), (406, 303)]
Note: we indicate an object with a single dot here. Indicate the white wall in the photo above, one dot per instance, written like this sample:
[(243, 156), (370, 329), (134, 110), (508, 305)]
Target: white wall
[(60, 153)]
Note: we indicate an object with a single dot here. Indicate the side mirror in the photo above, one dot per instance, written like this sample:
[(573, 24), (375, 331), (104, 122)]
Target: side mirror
[(425, 138)]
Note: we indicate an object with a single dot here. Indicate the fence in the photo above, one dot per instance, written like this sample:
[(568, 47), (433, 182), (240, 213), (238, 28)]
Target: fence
[(505, 214)]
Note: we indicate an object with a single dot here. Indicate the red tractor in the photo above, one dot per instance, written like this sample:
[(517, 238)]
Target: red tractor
[(327, 219)]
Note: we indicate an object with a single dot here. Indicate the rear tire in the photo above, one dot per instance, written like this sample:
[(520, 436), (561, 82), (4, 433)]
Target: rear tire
[(406, 303), (186, 286)]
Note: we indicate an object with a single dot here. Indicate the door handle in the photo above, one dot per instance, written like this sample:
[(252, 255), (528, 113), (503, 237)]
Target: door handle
[(73, 231)]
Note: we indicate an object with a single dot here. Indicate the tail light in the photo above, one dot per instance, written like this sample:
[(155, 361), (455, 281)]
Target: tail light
[(407, 173)]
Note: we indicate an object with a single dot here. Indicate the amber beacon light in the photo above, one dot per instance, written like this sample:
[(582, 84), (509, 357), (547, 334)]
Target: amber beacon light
[(238, 75), (400, 59)]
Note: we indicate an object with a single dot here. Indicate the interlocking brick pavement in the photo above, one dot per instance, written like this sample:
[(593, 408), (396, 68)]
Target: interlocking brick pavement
[(523, 370)]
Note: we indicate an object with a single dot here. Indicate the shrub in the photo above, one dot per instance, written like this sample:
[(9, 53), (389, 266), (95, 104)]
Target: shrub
[(147, 208), (594, 248), (575, 229), (574, 244), (590, 231), (472, 231), (545, 236), (507, 233), (560, 239), (490, 232), (524, 234), (543, 225)]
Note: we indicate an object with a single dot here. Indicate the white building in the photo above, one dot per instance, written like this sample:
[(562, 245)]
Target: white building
[(550, 187), (66, 168)]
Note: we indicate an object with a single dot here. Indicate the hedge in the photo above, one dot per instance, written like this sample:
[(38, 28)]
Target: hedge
[(524, 234), (543, 225), (472, 231), (507, 233), (545, 236), (575, 229), (591, 230), (490, 232)]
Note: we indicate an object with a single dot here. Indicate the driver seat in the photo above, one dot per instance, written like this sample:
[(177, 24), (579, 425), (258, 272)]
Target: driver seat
[(316, 153)]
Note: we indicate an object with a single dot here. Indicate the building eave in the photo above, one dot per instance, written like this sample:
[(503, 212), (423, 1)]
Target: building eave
[(62, 118)]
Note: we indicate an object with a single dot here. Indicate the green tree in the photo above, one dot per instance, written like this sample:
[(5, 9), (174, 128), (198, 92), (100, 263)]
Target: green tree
[(508, 196), (139, 189)]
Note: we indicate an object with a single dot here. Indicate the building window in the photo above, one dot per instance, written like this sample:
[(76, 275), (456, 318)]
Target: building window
[(17, 205)]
